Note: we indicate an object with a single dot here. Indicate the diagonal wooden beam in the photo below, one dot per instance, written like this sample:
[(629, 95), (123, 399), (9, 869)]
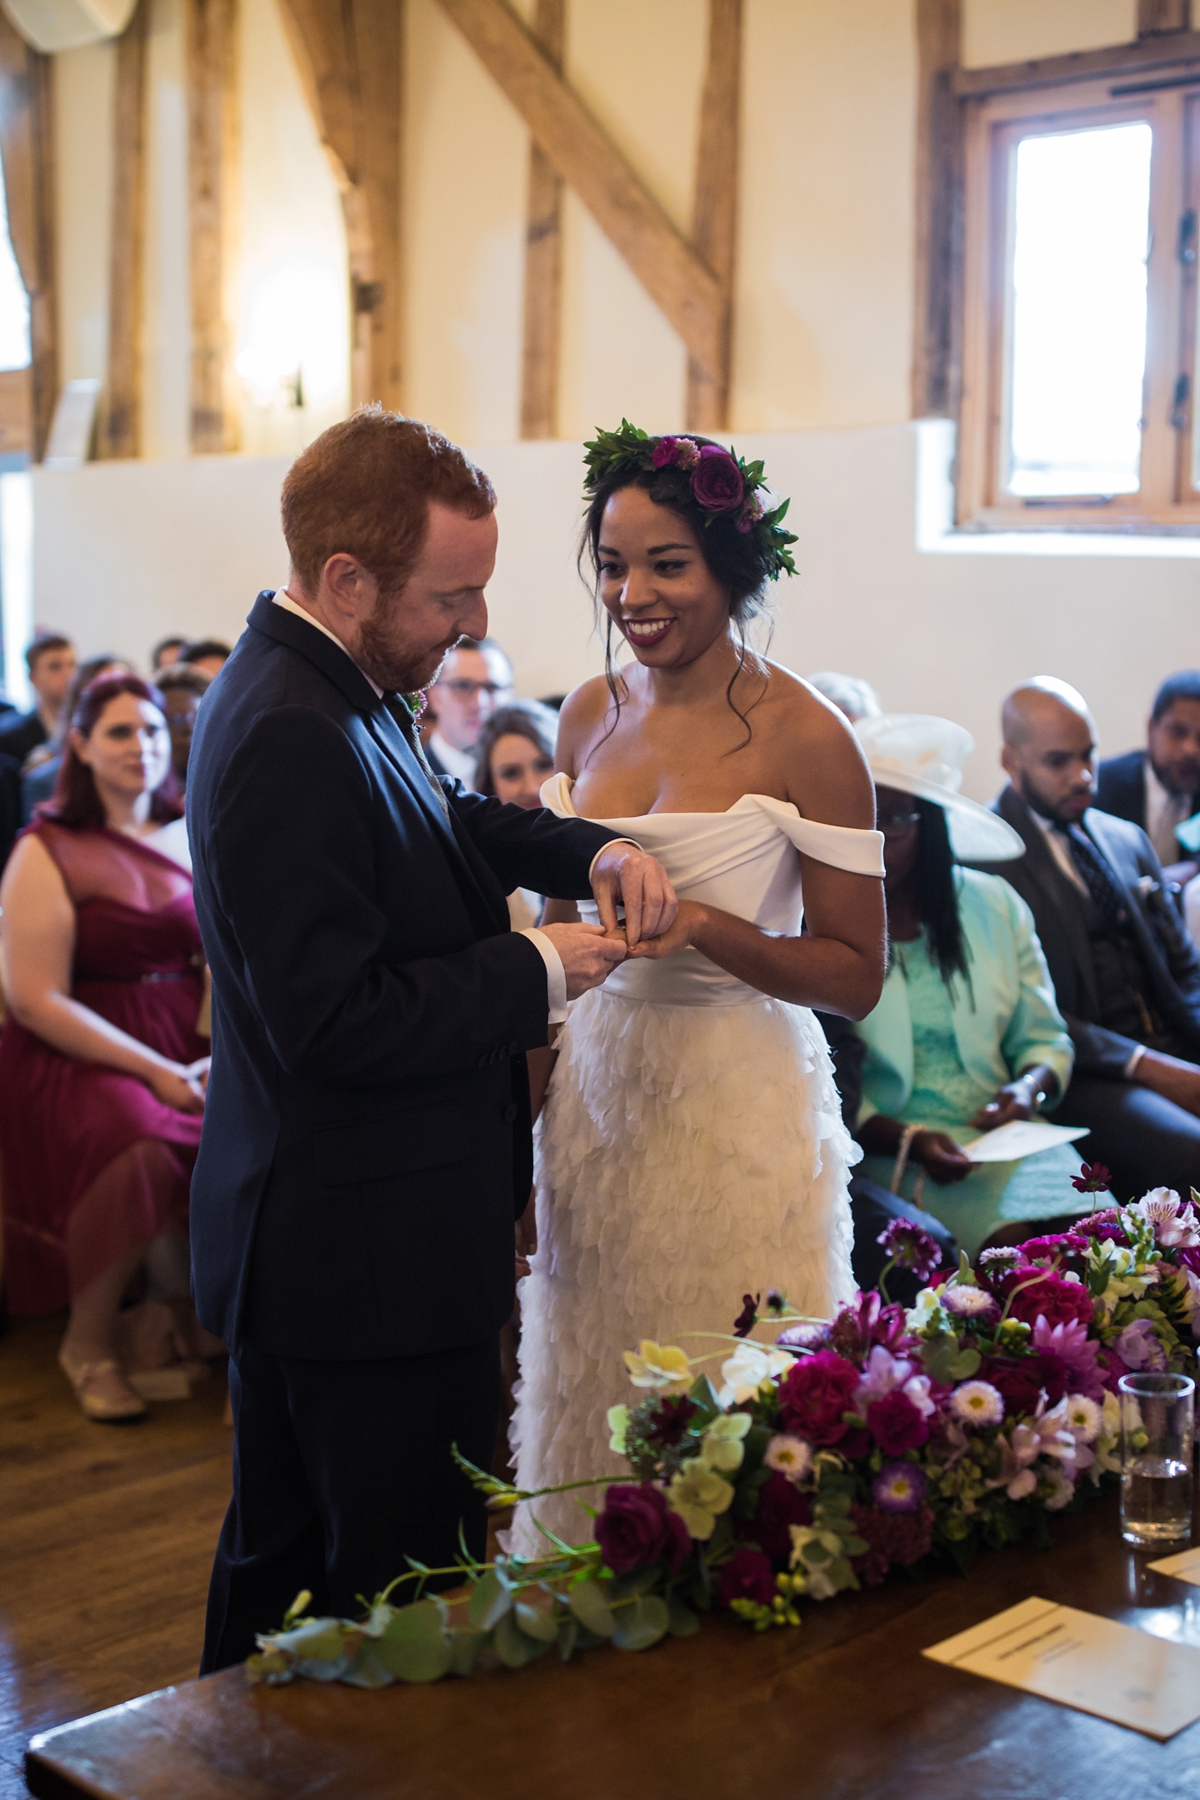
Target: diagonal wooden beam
[(211, 34), (675, 276), (714, 217), (120, 426), (543, 258), (27, 151), (349, 57)]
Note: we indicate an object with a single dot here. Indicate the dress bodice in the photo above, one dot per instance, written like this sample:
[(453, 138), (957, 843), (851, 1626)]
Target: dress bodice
[(745, 861)]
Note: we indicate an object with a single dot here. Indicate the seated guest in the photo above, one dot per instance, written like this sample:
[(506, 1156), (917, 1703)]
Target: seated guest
[(966, 1035), (475, 678), (851, 695), (182, 687), (165, 654), (1126, 975), (101, 1069), (41, 771), (50, 660), (514, 755), (1158, 788), (209, 655)]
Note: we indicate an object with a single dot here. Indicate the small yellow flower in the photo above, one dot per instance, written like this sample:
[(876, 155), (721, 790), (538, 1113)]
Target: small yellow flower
[(618, 1425), (698, 1494), (722, 1446), (658, 1366)]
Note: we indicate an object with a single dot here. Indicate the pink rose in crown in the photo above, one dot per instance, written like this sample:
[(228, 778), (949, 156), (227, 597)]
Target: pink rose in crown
[(815, 1394), (675, 453), (717, 483)]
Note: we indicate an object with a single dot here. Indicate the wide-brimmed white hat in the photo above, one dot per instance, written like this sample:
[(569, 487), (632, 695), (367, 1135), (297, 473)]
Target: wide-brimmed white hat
[(924, 755)]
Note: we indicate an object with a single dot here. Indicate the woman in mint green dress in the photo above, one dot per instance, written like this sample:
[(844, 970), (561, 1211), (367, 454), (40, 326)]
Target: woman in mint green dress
[(967, 1034)]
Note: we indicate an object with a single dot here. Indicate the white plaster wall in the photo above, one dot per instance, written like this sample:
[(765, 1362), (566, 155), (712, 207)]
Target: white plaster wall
[(126, 552)]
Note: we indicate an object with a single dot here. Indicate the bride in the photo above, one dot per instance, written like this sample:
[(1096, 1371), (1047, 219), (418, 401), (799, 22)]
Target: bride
[(690, 1147)]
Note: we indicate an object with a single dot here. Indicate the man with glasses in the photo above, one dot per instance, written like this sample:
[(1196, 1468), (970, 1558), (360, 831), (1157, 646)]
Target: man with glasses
[(475, 679)]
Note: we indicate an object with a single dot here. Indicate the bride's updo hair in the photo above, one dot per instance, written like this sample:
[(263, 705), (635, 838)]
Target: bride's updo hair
[(735, 557)]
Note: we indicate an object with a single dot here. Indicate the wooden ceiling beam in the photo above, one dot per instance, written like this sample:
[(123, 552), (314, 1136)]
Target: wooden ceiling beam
[(543, 258), (714, 216), (120, 433), (349, 57), (27, 152), (676, 277), (1155, 51)]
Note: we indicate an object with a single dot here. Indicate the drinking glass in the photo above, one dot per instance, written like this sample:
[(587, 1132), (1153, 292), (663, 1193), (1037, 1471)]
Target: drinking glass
[(1156, 1459)]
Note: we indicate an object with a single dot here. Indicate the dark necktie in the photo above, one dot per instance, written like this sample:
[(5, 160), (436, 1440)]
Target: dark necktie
[(400, 711), (1098, 878)]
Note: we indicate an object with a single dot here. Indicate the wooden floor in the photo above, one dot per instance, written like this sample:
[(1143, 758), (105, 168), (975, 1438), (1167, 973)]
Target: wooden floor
[(106, 1540)]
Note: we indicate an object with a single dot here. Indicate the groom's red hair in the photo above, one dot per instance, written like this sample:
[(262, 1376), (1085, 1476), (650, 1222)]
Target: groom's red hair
[(363, 489)]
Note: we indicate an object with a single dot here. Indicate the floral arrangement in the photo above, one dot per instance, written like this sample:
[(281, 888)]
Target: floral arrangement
[(820, 1460), (722, 484)]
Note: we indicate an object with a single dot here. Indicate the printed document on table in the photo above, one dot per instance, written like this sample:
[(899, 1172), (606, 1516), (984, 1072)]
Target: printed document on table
[(1024, 1137), (1184, 1567), (1080, 1660)]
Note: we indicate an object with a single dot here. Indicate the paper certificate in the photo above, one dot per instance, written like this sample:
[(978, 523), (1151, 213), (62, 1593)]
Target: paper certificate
[(1024, 1137), (1184, 1567), (1080, 1660)]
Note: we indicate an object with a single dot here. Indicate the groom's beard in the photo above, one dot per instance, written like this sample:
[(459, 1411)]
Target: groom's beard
[(395, 666)]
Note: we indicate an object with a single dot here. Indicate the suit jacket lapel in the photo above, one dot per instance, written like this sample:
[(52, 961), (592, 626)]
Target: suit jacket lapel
[(1049, 877)]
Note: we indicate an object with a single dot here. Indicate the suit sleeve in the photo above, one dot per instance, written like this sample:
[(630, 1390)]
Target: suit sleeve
[(1165, 922), (1099, 1051), (1037, 1032), (291, 853), (534, 849)]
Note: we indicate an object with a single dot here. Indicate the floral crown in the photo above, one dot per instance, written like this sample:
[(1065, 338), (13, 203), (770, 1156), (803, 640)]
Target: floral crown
[(722, 484)]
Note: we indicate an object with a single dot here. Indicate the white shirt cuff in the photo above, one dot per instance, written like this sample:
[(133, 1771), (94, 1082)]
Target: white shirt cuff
[(608, 846), (556, 975), (1134, 1060)]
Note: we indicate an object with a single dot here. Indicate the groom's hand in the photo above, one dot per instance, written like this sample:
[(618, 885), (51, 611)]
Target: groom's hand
[(623, 874), (587, 955)]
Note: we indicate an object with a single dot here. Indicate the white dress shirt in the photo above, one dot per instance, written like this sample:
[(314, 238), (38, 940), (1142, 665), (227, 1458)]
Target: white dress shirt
[(459, 763), (1164, 812), (556, 975)]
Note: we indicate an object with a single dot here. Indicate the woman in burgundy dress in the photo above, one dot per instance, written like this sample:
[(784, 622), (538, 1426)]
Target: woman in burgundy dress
[(101, 1070)]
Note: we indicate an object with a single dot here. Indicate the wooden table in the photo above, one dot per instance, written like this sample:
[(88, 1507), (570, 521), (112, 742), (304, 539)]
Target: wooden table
[(843, 1708)]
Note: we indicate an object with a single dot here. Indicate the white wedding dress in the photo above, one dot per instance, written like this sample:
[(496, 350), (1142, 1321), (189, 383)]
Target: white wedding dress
[(691, 1149)]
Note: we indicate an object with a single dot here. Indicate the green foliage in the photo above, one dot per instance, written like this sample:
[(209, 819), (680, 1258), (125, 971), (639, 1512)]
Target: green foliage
[(945, 1362), (414, 1645), (490, 1601), (589, 1605), (641, 1623)]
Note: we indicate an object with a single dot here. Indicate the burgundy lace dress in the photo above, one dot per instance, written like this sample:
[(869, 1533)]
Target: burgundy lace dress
[(94, 1165)]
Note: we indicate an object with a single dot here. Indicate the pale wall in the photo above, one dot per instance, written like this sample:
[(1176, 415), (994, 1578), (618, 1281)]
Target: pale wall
[(127, 552)]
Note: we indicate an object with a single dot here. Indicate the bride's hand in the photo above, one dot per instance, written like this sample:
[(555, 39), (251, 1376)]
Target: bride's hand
[(678, 936)]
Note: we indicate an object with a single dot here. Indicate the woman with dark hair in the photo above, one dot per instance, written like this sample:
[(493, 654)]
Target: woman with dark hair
[(967, 1035), (101, 1070), (691, 1145), (514, 755)]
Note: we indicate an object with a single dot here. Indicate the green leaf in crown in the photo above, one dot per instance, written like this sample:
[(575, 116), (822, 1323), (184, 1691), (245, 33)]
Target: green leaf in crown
[(720, 482)]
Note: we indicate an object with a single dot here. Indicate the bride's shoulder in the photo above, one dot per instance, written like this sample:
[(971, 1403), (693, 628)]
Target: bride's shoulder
[(581, 717), (800, 710), (826, 772)]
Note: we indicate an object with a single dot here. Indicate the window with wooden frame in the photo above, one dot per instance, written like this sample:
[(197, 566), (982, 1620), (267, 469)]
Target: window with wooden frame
[(1079, 307)]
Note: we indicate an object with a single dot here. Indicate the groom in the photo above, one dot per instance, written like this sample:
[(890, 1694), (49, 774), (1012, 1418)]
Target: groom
[(367, 1138)]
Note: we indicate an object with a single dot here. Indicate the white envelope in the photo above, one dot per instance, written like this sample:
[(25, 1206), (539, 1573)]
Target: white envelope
[(1024, 1137)]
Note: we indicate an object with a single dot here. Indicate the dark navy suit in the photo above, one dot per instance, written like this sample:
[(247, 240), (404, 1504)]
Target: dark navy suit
[(367, 1139)]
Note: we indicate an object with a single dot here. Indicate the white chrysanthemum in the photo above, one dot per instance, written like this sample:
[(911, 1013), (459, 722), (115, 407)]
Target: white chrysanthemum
[(1083, 1418), (791, 1456), (1062, 1491), (965, 1301), (977, 1403)]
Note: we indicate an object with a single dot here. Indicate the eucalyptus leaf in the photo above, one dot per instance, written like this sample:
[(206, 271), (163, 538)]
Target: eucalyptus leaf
[(490, 1601), (535, 1623), (637, 1581), (588, 1603), (465, 1646), (642, 1624), (513, 1646), (569, 1631), (366, 1671), (415, 1646), (320, 1640), (681, 1620), (965, 1363)]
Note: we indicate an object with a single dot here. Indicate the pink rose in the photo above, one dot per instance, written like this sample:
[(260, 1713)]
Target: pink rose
[(637, 1528), (717, 483), (1053, 1298), (815, 1394), (675, 453)]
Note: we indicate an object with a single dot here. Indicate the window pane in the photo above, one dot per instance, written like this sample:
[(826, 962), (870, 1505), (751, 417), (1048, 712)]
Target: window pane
[(1081, 233), (14, 302)]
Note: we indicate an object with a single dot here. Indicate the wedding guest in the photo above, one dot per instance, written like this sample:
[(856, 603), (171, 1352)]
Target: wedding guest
[(849, 693), (513, 757), (101, 1070), (1158, 788), (165, 654), (50, 660), (475, 678), (1125, 972), (966, 1036), (41, 771), (209, 655), (182, 687)]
